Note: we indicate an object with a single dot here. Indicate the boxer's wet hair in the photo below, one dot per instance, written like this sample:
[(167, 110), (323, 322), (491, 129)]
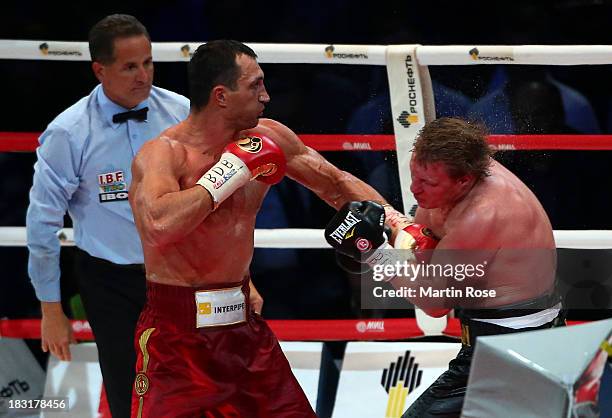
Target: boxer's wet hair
[(460, 145), (214, 63), (103, 34)]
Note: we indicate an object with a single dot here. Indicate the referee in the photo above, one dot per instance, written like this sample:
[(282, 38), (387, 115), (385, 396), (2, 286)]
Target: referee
[(83, 168)]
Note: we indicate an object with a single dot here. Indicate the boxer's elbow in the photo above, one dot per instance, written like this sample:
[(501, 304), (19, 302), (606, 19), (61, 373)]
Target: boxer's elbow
[(156, 234), (151, 233), (157, 229)]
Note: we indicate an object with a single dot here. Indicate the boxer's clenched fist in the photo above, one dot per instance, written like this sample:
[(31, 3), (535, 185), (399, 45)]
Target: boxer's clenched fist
[(357, 233), (417, 238), (253, 157), (264, 158), (357, 229)]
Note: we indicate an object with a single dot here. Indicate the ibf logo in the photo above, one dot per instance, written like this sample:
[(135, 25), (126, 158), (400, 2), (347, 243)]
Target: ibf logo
[(398, 380), (112, 187)]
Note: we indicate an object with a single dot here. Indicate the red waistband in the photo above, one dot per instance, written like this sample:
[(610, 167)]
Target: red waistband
[(176, 304)]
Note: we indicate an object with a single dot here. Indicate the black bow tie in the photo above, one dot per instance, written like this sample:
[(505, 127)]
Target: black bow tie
[(140, 114)]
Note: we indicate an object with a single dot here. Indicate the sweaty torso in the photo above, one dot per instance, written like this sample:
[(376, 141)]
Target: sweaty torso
[(219, 249), (516, 238)]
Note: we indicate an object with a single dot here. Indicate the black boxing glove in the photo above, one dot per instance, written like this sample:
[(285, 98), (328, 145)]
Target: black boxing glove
[(356, 231)]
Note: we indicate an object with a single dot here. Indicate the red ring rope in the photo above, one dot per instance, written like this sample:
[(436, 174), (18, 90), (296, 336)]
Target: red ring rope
[(285, 330), (28, 141)]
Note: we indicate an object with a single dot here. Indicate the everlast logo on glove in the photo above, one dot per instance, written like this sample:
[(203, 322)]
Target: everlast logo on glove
[(358, 226), (357, 233), (341, 231)]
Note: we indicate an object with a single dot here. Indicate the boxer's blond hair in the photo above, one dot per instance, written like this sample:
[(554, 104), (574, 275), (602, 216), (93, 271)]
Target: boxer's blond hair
[(460, 145)]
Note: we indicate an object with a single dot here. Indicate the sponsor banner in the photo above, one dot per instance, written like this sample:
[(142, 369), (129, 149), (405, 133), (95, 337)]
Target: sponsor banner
[(356, 146), (21, 380), (493, 55), (220, 307), (174, 51), (383, 379), (354, 53), (58, 49), (44, 50), (407, 109)]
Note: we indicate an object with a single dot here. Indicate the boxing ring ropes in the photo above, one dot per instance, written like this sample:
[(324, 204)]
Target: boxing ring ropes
[(412, 104)]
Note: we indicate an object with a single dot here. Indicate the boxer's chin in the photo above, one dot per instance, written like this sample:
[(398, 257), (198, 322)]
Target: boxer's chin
[(251, 124), (424, 205)]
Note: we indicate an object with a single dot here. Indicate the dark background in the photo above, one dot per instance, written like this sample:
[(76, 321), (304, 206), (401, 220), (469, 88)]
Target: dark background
[(574, 187)]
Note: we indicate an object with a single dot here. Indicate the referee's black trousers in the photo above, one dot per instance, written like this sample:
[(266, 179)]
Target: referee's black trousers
[(113, 296)]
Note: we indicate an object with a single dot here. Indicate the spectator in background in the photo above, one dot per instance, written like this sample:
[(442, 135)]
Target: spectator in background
[(518, 104), (83, 167), (528, 100)]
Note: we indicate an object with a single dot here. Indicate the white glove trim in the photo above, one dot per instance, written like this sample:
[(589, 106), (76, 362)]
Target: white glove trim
[(225, 177)]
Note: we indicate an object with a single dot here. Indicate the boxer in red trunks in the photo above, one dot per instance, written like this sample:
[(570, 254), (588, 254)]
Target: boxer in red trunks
[(202, 349)]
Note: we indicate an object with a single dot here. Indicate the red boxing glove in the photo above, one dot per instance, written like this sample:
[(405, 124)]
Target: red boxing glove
[(417, 238), (242, 161), (421, 241), (263, 157)]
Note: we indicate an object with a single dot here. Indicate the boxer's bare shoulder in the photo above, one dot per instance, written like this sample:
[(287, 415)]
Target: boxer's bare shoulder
[(472, 226), (165, 154)]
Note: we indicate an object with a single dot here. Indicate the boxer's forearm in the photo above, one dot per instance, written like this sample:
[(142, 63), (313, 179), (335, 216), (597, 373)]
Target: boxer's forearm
[(172, 216), (350, 188), (332, 185)]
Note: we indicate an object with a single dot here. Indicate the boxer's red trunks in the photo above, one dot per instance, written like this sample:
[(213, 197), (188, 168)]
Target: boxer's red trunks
[(236, 370)]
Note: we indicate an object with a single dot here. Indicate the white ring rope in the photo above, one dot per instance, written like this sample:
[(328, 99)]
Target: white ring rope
[(313, 238), (180, 51), (337, 54)]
